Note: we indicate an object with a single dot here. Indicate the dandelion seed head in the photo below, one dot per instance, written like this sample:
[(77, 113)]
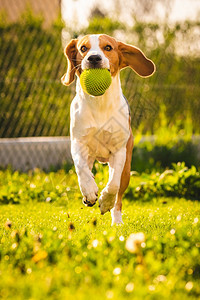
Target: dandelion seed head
[(134, 242), (151, 288), (161, 278), (172, 231), (14, 246), (189, 285), (32, 186), (29, 271), (109, 294), (117, 271), (121, 238), (95, 243), (129, 287)]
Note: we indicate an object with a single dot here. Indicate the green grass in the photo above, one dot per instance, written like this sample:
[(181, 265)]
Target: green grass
[(53, 247)]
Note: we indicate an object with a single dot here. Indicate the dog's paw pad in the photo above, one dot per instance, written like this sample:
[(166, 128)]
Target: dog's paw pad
[(88, 203)]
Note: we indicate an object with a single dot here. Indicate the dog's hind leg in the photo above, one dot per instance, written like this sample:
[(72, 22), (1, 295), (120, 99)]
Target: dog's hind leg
[(125, 177)]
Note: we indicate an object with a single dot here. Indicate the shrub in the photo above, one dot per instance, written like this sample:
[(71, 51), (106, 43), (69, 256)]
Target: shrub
[(34, 102)]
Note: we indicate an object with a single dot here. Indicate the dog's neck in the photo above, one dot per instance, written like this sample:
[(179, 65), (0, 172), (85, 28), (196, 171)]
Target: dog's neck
[(108, 101)]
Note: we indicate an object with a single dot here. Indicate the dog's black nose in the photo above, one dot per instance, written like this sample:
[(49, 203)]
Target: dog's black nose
[(94, 59)]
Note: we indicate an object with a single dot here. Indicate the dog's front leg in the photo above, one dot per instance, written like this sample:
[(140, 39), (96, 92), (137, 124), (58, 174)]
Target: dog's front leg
[(83, 165), (108, 194)]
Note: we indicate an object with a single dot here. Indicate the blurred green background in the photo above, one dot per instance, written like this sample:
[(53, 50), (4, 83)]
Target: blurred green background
[(33, 102)]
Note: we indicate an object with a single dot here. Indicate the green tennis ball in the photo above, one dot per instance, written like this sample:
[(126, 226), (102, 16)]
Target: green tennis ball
[(95, 81)]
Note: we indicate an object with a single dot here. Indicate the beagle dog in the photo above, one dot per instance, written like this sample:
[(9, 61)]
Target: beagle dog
[(100, 125)]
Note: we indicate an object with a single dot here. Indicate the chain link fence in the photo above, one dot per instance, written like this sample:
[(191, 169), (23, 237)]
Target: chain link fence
[(34, 103)]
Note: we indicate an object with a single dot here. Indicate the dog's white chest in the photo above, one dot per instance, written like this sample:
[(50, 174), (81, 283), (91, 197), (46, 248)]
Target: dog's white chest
[(106, 139), (101, 124)]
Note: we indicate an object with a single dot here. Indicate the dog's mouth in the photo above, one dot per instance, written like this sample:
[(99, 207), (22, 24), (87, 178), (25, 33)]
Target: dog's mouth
[(81, 70)]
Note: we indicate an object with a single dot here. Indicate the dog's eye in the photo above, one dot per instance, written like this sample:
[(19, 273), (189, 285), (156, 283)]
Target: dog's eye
[(83, 48), (108, 48)]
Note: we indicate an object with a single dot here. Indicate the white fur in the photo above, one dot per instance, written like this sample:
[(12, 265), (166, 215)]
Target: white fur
[(116, 216), (99, 130), (94, 50)]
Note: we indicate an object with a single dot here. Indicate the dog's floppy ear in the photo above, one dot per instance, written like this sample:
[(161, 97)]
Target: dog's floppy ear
[(70, 52), (133, 57)]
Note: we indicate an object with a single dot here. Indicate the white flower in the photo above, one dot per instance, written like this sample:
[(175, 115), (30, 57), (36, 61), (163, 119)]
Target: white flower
[(95, 243), (32, 186), (151, 288), (129, 287), (109, 294), (117, 271), (160, 278), (189, 286), (121, 238), (134, 241), (29, 271), (14, 246)]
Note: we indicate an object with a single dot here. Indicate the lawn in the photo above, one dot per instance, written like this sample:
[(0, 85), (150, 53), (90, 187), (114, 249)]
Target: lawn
[(53, 247)]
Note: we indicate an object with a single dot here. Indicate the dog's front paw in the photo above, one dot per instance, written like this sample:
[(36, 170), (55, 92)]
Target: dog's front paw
[(106, 201), (88, 203), (90, 193)]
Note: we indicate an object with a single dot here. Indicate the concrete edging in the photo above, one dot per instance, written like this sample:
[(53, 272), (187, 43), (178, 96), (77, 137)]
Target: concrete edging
[(34, 152), (43, 152)]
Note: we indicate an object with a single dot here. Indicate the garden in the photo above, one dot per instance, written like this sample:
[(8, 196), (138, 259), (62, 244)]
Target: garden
[(52, 246)]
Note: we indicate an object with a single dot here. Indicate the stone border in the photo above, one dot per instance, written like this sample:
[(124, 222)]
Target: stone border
[(35, 152), (45, 152)]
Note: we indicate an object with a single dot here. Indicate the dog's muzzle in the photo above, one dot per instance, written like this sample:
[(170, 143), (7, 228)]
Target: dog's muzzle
[(95, 61)]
